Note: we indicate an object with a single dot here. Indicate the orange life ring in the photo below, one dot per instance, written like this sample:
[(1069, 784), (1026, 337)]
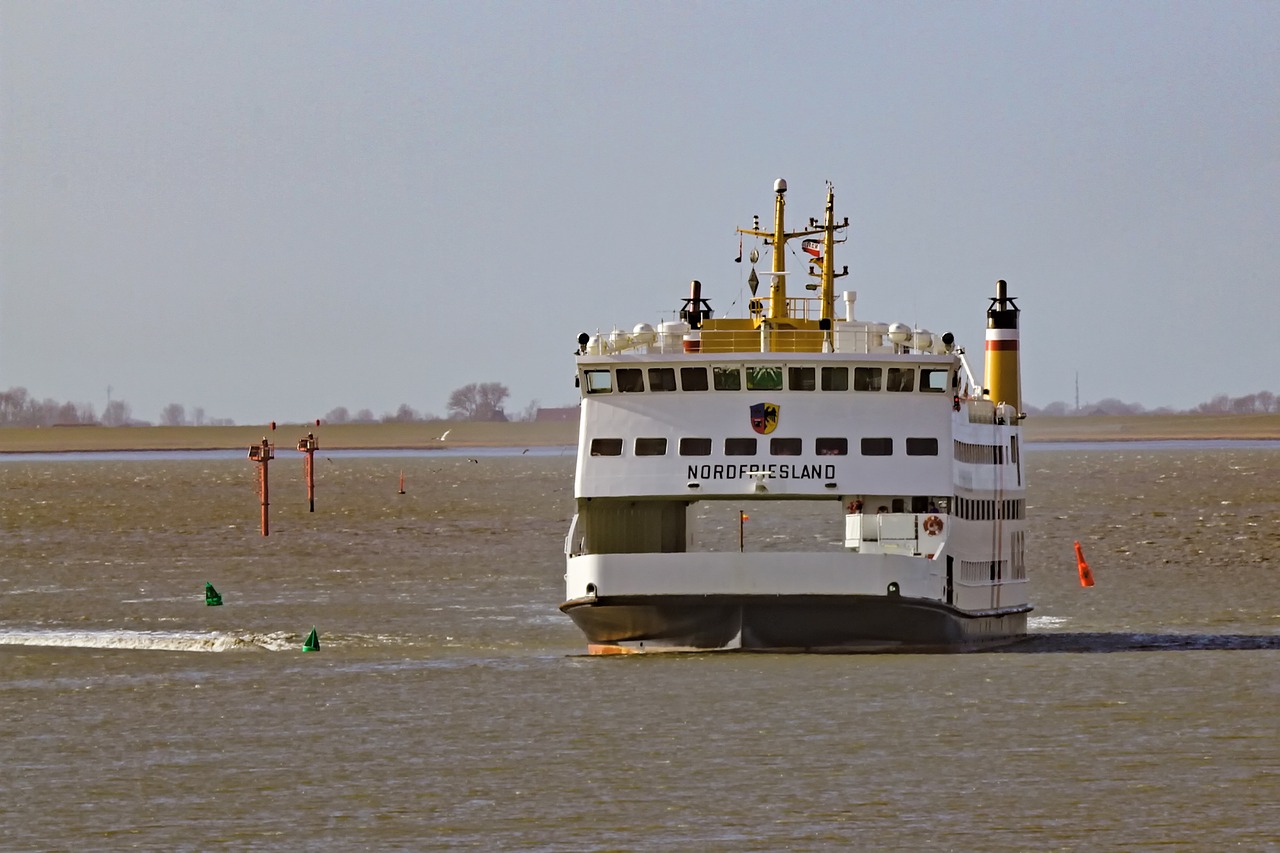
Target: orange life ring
[(933, 525)]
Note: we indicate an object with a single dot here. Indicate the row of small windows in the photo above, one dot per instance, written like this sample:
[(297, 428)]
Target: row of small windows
[(988, 510), (767, 377), (979, 454), (975, 571), (777, 446)]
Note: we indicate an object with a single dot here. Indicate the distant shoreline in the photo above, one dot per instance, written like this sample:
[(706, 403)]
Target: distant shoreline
[(436, 435)]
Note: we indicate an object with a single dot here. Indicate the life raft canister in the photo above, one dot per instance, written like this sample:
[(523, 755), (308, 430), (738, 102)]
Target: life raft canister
[(933, 525)]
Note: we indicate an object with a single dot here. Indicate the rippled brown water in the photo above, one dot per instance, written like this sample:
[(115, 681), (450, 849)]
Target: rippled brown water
[(448, 707)]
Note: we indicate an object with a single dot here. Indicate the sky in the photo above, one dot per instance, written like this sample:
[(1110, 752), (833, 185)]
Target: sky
[(268, 210)]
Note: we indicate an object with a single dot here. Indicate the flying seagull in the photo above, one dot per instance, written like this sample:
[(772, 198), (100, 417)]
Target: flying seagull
[(444, 435)]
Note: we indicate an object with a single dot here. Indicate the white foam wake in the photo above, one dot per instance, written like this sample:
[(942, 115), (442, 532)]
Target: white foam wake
[(169, 641)]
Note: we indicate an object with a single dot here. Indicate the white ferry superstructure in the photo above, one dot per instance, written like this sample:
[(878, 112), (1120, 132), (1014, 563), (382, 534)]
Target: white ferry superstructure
[(882, 430)]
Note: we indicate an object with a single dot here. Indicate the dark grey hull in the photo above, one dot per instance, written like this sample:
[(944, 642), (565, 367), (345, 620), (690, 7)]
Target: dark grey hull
[(788, 623)]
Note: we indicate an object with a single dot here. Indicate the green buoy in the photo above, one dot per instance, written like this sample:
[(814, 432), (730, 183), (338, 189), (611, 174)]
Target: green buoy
[(211, 596), (313, 642)]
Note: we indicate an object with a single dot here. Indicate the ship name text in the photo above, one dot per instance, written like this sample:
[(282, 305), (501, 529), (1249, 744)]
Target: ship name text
[(773, 469)]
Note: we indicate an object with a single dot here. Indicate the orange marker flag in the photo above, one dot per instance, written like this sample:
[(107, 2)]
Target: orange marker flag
[(1086, 576), (744, 517)]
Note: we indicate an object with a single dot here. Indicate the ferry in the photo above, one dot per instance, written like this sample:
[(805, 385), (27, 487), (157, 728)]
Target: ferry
[(895, 478)]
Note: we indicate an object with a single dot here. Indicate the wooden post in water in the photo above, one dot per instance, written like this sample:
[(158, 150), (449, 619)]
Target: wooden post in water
[(308, 447), (262, 454)]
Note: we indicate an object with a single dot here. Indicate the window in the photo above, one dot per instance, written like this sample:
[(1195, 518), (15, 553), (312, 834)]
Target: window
[(739, 447), (922, 447), (785, 446), (900, 378), (877, 447), (801, 378), (662, 379), (630, 379), (835, 379), (933, 380), (693, 378), (695, 447), (606, 447), (599, 382), (727, 378), (832, 446), (766, 378), (651, 447), (867, 378)]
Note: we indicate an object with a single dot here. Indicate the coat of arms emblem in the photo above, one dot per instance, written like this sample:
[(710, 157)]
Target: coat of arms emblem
[(764, 417)]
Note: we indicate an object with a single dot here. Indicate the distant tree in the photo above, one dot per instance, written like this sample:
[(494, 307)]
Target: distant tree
[(1245, 405), (1056, 409), (13, 403), (197, 416), (66, 414), (1220, 404), (530, 411), (174, 414), (1266, 401), (116, 413), (339, 415), (365, 416), (1112, 406), (478, 402), (47, 411), (403, 415)]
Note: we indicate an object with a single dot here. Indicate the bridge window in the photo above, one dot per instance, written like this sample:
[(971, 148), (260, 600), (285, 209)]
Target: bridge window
[(877, 447), (606, 447), (693, 378), (802, 378), (867, 379), (662, 379), (727, 378), (651, 447), (902, 379), (785, 446), (630, 379), (599, 381), (832, 446), (764, 378), (739, 447), (835, 379), (922, 447), (695, 447), (933, 380)]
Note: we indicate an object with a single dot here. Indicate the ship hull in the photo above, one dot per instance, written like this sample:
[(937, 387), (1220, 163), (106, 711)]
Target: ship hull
[(785, 623)]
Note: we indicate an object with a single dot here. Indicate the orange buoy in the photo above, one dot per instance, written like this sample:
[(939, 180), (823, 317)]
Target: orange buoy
[(1086, 576)]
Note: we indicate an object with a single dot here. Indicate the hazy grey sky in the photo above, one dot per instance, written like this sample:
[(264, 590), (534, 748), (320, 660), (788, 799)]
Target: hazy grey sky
[(269, 209)]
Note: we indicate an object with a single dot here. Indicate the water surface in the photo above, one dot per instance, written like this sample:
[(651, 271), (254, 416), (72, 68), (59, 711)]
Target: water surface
[(449, 707)]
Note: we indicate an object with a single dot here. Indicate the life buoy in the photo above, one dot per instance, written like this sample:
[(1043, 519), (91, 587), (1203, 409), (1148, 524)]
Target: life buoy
[(933, 525)]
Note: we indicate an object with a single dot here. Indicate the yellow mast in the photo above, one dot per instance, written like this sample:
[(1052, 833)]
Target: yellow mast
[(828, 266), (778, 238)]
